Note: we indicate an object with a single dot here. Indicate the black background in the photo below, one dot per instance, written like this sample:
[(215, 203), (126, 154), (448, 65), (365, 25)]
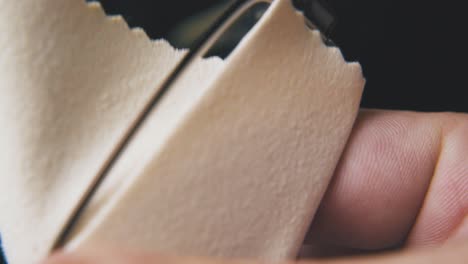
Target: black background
[(412, 51)]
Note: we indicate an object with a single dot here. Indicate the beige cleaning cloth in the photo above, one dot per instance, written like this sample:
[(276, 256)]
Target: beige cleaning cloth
[(71, 81), (239, 169), (233, 162)]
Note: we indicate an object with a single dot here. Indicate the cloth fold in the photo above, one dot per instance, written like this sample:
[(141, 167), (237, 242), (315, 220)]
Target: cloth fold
[(233, 162)]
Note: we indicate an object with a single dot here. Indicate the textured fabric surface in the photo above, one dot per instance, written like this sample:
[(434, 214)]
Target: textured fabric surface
[(243, 148), (241, 166), (71, 81)]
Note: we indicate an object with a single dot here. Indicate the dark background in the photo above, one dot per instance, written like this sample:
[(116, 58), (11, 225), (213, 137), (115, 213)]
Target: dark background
[(411, 51)]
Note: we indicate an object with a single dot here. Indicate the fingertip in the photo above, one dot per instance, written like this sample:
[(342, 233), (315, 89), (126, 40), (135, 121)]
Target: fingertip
[(380, 182)]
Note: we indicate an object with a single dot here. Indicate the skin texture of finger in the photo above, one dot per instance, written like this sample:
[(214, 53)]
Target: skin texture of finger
[(454, 254), (445, 209), (402, 173)]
